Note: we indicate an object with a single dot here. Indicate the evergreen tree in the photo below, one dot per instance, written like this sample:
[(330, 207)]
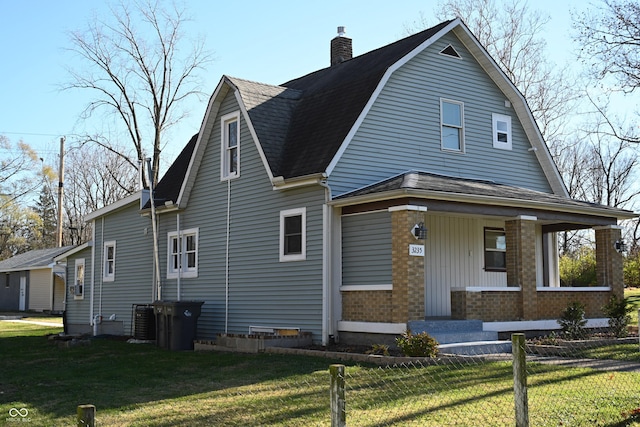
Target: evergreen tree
[(46, 209)]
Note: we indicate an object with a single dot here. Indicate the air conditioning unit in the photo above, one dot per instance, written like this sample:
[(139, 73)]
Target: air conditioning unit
[(78, 290)]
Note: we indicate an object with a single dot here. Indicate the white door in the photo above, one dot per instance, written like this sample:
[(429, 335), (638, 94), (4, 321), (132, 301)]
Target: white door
[(23, 294)]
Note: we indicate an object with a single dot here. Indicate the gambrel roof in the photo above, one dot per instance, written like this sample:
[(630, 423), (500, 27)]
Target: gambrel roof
[(302, 127)]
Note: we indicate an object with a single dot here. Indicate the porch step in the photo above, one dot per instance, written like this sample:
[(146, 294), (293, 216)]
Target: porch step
[(453, 331)]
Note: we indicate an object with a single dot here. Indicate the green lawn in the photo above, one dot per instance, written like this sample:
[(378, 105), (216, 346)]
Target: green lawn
[(633, 296), (141, 385)]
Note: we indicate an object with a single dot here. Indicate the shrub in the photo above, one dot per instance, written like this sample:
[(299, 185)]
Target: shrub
[(632, 271), (617, 310), (379, 349), (417, 345), (578, 269), (572, 321)]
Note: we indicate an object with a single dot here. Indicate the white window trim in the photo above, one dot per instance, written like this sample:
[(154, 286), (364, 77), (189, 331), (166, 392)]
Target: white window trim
[(225, 173), (106, 276), (288, 213), (79, 262), (495, 118), (182, 272), (462, 130)]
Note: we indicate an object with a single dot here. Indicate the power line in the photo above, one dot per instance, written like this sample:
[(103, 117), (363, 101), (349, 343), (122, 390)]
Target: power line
[(2, 132)]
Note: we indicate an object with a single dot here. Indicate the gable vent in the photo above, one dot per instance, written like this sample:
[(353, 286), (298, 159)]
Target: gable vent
[(450, 51)]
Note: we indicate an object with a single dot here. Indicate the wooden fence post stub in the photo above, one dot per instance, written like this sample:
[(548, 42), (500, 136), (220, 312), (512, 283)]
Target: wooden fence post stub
[(86, 416)]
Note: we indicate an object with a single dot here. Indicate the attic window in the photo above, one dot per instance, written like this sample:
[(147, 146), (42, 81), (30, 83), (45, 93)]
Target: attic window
[(450, 51)]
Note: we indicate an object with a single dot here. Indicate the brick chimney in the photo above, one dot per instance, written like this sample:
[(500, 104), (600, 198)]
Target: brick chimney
[(341, 49)]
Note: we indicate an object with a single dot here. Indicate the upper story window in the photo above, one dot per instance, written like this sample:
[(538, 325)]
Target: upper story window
[(109, 267), (293, 234), (501, 131), (230, 150), (452, 124), (495, 249), (182, 254)]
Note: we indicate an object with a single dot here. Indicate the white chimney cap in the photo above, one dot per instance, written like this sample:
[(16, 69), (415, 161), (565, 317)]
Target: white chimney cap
[(341, 31)]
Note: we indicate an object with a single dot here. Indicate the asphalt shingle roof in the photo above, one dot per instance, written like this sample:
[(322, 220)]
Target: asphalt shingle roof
[(416, 180), (33, 259), (302, 123)]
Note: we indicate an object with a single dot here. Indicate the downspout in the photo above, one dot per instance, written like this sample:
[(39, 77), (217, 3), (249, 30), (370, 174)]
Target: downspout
[(101, 269), (226, 261), (156, 259), (179, 257), (327, 241), (93, 270)]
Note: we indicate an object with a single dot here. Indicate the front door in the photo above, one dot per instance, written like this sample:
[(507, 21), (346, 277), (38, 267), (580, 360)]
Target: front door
[(23, 294)]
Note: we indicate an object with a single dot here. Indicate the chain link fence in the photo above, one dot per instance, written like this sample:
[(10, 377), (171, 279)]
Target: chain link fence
[(586, 383)]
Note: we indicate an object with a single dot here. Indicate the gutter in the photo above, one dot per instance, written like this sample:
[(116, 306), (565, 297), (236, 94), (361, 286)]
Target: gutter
[(281, 183)]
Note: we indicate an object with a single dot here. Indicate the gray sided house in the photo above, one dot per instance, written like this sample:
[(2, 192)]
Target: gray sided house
[(33, 281), (404, 184)]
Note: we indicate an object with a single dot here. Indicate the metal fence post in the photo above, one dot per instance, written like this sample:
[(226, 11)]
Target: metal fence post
[(520, 380), (338, 415)]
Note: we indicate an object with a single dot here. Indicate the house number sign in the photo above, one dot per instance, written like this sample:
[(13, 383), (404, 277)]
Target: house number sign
[(416, 250)]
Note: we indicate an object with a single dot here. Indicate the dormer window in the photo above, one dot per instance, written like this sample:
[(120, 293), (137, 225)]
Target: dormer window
[(230, 149)]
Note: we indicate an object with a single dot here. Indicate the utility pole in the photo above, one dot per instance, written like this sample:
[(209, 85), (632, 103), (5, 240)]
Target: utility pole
[(60, 194)]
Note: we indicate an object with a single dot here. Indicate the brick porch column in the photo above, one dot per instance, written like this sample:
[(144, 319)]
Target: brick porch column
[(608, 260), (521, 262), (407, 299)]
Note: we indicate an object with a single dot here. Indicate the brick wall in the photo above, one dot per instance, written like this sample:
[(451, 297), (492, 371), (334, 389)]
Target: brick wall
[(496, 306), (552, 303), (367, 306), (407, 270), (489, 306), (609, 261), (521, 263)]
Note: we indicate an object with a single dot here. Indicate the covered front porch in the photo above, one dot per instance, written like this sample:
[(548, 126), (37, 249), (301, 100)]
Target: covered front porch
[(439, 265)]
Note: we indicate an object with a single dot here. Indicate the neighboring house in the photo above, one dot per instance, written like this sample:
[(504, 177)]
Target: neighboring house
[(33, 281), (410, 182)]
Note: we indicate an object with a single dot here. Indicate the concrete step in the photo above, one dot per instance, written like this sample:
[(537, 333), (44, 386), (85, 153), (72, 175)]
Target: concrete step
[(435, 326), (453, 331), (457, 337), (476, 348)]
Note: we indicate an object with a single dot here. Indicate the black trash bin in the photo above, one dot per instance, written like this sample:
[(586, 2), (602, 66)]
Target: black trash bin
[(177, 323)]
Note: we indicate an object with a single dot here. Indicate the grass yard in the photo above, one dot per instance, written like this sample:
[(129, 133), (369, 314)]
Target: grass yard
[(633, 296), (141, 385)]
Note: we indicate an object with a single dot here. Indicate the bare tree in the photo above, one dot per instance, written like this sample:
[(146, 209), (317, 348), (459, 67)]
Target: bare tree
[(17, 165), (137, 69), (96, 177), (513, 36), (609, 36), (20, 228)]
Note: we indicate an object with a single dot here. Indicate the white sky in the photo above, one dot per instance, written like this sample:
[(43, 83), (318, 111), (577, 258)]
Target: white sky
[(267, 41)]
